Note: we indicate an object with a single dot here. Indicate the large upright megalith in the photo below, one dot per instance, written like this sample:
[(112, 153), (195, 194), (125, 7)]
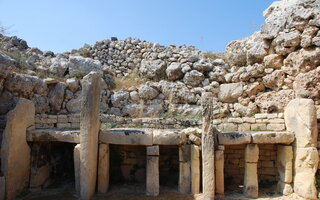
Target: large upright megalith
[(208, 168), (89, 131), (15, 151), (300, 118)]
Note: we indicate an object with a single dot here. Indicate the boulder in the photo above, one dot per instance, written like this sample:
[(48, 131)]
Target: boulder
[(177, 92), (74, 105), (193, 78), (234, 138), (147, 92), (73, 84), (272, 137), (120, 98), (274, 80), (203, 65), (56, 96), (80, 66), (286, 42), (153, 69), (274, 61), (59, 66), (174, 71), (274, 101), (307, 85), (307, 35), (230, 92)]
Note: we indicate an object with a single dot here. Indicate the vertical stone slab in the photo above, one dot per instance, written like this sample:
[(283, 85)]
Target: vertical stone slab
[(2, 187), (219, 162), (15, 151), (103, 168), (76, 163), (251, 186), (185, 169), (284, 163), (300, 118), (195, 169), (208, 138), (89, 130), (152, 182)]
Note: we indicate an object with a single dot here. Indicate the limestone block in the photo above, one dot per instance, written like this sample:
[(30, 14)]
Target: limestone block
[(244, 127), (284, 188), (152, 181), (267, 137), (15, 151), (2, 187), (103, 168), (259, 127), (185, 169), (219, 164), (300, 118), (306, 164), (195, 139), (127, 136), (39, 176), (276, 127), (195, 169), (168, 137), (53, 135), (208, 167), (284, 163), (234, 138), (89, 131), (251, 187), (251, 154), (76, 163), (153, 150)]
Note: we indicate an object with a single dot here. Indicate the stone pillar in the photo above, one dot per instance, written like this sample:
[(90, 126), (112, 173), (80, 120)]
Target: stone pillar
[(251, 187), (219, 162), (76, 163), (15, 151), (152, 182), (103, 168), (208, 148), (284, 166), (2, 187), (185, 169), (300, 118), (195, 169), (89, 131)]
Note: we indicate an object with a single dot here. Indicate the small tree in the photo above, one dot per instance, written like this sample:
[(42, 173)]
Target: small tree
[(3, 29)]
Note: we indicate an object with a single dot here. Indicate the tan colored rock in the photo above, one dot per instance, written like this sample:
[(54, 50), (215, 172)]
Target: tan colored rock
[(195, 169), (234, 138), (307, 85), (152, 182), (208, 165), (76, 163), (274, 101), (285, 163), (15, 151), (251, 154), (266, 137), (153, 150), (273, 61), (127, 136), (284, 188), (185, 169), (229, 93), (89, 132), (219, 169), (53, 135), (251, 187), (194, 139), (103, 168), (39, 176), (168, 137), (300, 118)]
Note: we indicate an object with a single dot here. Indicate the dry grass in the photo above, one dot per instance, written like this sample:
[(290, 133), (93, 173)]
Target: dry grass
[(132, 80)]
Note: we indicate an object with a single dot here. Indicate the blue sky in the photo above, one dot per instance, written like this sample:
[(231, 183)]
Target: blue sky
[(62, 25)]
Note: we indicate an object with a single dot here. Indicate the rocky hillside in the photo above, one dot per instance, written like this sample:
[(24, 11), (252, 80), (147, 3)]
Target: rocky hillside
[(257, 74)]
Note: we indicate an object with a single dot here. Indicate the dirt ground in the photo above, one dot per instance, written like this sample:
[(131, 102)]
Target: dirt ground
[(129, 192)]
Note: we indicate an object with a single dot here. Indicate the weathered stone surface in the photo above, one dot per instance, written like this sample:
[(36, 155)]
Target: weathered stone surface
[(306, 165), (219, 170), (177, 92), (53, 135), (195, 169), (234, 138), (168, 137), (284, 163), (74, 105), (193, 78), (103, 168), (274, 101), (251, 154), (76, 163), (153, 150), (15, 151), (208, 167), (274, 61), (307, 85), (147, 92), (152, 182), (73, 84), (80, 66), (195, 139), (56, 96), (251, 187), (229, 93), (300, 118), (127, 136), (275, 80), (174, 71), (185, 168), (2, 186), (153, 69), (272, 137), (120, 98), (284, 188), (89, 132)]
